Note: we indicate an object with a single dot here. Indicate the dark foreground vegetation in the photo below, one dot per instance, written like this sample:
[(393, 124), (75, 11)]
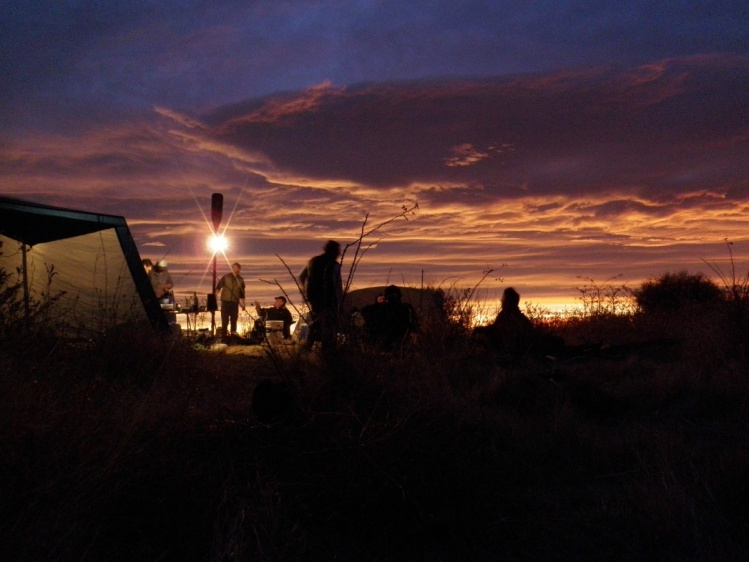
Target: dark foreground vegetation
[(632, 446)]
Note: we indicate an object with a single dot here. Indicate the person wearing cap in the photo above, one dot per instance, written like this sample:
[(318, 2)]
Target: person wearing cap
[(161, 280), (230, 289), (277, 312)]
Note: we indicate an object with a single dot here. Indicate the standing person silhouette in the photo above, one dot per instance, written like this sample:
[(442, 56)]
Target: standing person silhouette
[(323, 289), (231, 290)]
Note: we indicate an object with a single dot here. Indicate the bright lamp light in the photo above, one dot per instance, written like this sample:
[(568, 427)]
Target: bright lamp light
[(218, 243)]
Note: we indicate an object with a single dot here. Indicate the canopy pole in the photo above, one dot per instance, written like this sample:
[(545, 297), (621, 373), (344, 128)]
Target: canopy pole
[(26, 304)]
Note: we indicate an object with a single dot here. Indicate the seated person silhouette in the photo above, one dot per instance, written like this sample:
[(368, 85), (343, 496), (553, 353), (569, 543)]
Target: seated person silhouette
[(369, 318), (388, 323), (276, 312), (511, 333)]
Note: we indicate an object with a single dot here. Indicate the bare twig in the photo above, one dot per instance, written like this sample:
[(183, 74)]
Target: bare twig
[(296, 282), (363, 233), (736, 288)]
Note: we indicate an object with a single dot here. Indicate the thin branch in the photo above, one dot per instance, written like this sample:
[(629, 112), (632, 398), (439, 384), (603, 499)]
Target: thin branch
[(363, 233)]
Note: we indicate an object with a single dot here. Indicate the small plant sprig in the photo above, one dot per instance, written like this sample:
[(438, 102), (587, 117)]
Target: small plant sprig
[(358, 244), (460, 304), (606, 298), (736, 288), (359, 251), (20, 308)]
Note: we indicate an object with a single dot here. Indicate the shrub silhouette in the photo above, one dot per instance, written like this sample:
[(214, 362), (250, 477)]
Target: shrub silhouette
[(673, 291)]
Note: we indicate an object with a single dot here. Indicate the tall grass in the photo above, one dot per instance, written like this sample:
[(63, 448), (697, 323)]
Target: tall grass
[(137, 447)]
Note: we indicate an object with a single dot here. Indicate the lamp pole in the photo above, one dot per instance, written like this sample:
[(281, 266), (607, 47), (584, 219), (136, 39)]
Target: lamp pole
[(213, 292), (217, 209)]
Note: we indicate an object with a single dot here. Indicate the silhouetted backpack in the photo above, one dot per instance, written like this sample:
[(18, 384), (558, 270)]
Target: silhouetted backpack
[(257, 335)]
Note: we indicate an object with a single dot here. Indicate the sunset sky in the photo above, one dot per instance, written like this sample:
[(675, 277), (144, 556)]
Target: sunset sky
[(548, 140)]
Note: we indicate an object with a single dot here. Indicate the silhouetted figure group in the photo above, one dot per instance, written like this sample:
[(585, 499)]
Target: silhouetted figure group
[(387, 324)]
